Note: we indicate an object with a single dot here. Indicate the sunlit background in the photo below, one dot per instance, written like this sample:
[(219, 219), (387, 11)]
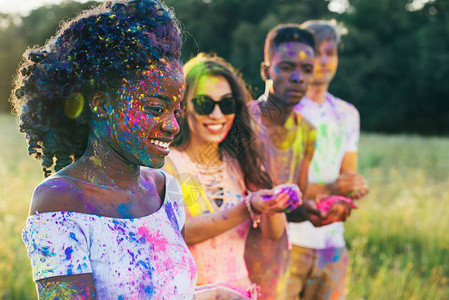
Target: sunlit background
[(394, 67), (23, 7)]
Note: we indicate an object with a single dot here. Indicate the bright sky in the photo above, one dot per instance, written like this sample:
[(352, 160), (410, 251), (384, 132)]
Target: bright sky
[(25, 6)]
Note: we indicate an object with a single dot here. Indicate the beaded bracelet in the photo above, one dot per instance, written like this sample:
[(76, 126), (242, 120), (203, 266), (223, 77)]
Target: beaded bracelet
[(256, 218)]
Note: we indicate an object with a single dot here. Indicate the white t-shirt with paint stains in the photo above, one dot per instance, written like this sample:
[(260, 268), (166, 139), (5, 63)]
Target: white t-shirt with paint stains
[(136, 258), (338, 129)]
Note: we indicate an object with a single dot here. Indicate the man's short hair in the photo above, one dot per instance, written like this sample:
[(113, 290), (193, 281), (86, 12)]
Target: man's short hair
[(284, 33), (324, 30)]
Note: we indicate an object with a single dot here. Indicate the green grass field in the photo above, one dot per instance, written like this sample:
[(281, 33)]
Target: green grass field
[(398, 239)]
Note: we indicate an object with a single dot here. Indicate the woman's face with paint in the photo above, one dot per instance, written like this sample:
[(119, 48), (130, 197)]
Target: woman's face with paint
[(211, 126), (143, 114)]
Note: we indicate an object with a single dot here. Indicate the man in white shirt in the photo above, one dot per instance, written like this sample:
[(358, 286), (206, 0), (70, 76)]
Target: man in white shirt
[(319, 257)]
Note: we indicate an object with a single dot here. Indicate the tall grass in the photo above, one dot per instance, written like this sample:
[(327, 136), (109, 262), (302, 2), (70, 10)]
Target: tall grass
[(19, 175), (398, 241)]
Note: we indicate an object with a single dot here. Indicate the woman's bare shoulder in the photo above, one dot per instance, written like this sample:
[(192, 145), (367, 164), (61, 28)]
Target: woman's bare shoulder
[(56, 193), (154, 177)]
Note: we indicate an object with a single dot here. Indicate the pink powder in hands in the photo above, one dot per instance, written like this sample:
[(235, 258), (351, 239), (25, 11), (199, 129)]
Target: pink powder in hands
[(325, 204)]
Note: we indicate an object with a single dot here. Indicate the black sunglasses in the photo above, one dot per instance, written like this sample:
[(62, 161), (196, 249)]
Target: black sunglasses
[(205, 105)]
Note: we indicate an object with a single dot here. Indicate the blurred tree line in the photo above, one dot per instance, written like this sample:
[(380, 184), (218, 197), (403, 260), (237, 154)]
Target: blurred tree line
[(393, 62)]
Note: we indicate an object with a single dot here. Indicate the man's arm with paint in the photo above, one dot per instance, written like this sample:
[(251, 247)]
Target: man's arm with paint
[(308, 207), (348, 183), (354, 184)]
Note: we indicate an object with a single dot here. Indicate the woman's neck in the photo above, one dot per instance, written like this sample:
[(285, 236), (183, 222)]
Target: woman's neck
[(103, 166), (317, 92), (205, 153)]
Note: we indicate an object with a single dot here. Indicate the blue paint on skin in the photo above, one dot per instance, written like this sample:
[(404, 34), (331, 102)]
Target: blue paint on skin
[(295, 77), (123, 210)]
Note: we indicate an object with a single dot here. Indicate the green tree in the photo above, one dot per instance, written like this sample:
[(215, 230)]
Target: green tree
[(392, 66), (18, 33), (393, 63), (13, 45)]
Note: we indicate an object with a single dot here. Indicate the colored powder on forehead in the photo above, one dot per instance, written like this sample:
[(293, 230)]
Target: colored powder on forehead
[(212, 79), (302, 55)]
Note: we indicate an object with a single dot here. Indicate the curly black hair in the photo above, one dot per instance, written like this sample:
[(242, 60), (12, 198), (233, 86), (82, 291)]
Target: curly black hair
[(94, 51), (284, 33)]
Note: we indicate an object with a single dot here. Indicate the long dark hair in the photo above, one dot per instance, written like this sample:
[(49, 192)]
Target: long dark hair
[(92, 52), (240, 142)]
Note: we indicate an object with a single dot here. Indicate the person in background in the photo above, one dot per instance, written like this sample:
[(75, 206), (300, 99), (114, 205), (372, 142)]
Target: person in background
[(221, 171), (96, 102), (288, 140), (319, 257)]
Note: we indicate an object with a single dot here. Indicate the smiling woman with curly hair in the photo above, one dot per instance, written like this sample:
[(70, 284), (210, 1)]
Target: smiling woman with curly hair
[(93, 52), (97, 102)]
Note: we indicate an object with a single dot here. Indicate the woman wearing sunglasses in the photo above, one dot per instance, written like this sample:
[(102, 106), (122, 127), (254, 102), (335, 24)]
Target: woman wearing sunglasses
[(221, 172)]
